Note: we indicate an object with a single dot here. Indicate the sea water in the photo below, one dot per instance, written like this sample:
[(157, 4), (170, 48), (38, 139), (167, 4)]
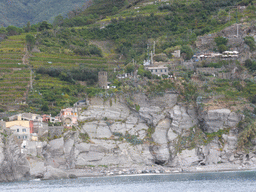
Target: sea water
[(185, 182)]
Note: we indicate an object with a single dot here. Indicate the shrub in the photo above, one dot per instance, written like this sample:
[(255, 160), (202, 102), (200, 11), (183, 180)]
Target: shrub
[(250, 42), (222, 48), (188, 51), (220, 41), (244, 139), (133, 139), (251, 65), (137, 107), (84, 137)]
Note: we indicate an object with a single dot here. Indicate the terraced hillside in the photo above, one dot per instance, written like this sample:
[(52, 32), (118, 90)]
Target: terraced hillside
[(65, 61), (54, 87), (15, 75)]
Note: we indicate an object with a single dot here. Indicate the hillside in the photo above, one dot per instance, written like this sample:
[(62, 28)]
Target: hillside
[(15, 75), (18, 13), (181, 76), (69, 56)]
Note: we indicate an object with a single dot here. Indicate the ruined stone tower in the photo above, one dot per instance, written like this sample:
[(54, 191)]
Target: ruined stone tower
[(103, 79)]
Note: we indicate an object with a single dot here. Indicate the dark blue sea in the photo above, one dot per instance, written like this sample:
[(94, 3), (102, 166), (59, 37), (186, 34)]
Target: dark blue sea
[(185, 182)]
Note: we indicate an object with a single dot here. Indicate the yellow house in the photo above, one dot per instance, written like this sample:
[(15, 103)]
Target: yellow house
[(18, 122)]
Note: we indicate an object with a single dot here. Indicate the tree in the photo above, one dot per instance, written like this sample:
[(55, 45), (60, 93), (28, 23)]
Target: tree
[(220, 41), (114, 9), (3, 30), (30, 40), (126, 3), (45, 25), (12, 30), (249, 40), (251, 65), (129, 68), (28, 27), (222, 48), (45, 107), (188, 52), (58, 21)]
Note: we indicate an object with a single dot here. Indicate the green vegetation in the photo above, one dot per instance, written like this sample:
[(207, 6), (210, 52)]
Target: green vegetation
[(14, 76), (84, 137), (30, 40), (187, 51), (251, 65), (250, 42), (247, 131), (221, 43), (196, 137), (133, 139)]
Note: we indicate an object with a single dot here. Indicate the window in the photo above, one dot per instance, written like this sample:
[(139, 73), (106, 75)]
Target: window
[(18, 137), (165, 70), (161, 70), (18, 130), (156, 70), (151, 70), (23, 130), (24, 137)]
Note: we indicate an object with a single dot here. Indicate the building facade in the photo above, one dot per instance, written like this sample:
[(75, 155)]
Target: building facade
[(103, 79), (159, 71), (69, 116), (21, 132)]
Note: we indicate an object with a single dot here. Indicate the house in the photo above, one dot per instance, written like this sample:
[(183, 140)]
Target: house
[(26, 116), (29, 120), (176, 53), (17, 122), (21, 132), (81, 103), (69, 116), (158, 70), (48, 118)]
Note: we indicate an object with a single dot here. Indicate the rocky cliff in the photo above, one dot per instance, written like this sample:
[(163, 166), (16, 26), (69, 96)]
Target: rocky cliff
[(13, 165), (114, 134)]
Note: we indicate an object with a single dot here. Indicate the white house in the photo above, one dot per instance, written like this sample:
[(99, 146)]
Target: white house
[(21, 132)]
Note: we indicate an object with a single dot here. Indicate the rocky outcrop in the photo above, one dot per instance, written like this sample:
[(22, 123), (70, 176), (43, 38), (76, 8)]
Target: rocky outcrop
[(160, 133), (214, 120), (53, 173), (13, 165)]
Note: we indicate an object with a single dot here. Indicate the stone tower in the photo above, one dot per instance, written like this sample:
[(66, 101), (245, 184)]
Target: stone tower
[(103, 79)]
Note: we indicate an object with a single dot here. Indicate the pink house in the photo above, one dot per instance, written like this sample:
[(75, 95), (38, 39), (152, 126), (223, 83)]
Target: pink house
[(69, 116)]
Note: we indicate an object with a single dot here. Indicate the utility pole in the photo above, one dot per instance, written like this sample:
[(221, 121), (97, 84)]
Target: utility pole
[(148, 52), (154, 48), (236, 23), (237, 30), (31, 79), (152, 58)]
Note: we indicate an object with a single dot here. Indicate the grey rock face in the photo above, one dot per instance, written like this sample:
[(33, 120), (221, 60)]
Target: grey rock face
[(14, 165), (108, 128), (217, 119), (53, 173), (56, 147), (37, 168), (188, 158), (182, 119), (161, 151)]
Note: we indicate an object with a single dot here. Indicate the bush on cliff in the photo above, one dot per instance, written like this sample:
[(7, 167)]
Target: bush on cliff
[(249, 40)]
